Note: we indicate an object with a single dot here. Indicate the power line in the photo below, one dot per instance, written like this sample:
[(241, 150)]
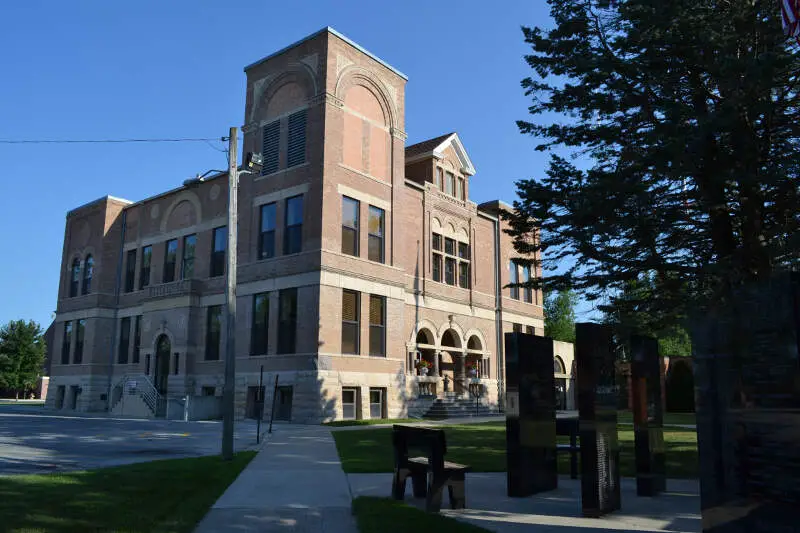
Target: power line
[(95, 141)]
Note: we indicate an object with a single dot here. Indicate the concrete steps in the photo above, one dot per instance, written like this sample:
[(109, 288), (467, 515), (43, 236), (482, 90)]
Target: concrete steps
[(132, 405), (453, 407)]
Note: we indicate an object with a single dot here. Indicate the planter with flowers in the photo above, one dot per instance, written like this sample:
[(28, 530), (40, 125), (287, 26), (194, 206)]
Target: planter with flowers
[(423, 366), (472, 368)]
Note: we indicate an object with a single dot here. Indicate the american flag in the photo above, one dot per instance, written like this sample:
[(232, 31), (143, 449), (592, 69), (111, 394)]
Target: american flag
[(791, 18)]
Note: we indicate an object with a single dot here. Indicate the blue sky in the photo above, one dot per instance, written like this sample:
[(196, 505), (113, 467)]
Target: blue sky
[(144, 69)]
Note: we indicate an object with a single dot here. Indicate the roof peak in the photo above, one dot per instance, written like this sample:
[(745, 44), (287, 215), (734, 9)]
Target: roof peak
[(435, 148)]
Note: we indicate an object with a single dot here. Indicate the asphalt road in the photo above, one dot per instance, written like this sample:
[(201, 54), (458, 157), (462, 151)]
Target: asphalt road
[(34, 440)]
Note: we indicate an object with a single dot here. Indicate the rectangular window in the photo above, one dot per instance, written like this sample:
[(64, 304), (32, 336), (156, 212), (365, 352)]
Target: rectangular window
[(451, 184), (377, 325), (463, 251), (287, 321), (527, 292), (270, 147), (293, 234), (177, 360), (130, 270), (144, 271), (266, 241), (439, 174), (376, 223), (463, 275), (376, 403), (80, 334), (170, 258), (147, 364), (206, 390), (213, 332), (450, 271), (449, 246), (529, 330), (437, 242), (350, 211), (517, 328), (437, 267), (124, 340), (351, 322), (66, 343), (220, 244), (187, 265), (296, 153), (260, 326), (349, 404), (137, 338), (460, 188), (513, 276)]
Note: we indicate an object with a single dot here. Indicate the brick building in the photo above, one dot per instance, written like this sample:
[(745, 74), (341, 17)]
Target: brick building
[(358, 256)]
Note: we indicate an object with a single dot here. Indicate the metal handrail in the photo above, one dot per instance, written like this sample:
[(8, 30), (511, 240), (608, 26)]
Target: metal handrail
[(148, 392)]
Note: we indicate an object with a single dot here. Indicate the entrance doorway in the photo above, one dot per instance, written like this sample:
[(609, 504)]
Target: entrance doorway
[(283, 404), (163, 349), (254, 408), (561, 394), (161, 375)]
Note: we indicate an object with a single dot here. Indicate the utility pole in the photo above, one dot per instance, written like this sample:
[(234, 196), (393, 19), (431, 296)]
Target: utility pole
[(228, 391)]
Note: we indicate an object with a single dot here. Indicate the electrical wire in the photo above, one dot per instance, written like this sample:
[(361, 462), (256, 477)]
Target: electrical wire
[(85, 141)]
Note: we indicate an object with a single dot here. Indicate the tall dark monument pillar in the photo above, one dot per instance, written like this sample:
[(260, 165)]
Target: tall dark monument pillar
[(648, 416), (747, 381), (530, 415), (597, 410)]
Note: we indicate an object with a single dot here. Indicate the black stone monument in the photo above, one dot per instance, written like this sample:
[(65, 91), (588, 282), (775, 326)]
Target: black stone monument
[(648, 416), (597, 411), (530, 415), (747, 391)]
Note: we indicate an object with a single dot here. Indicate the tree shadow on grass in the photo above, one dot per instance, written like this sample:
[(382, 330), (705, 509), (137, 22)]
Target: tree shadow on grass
[(164, 495)]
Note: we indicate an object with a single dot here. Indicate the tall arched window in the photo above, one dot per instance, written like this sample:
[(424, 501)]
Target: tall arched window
[(88, 272), (75, 277)]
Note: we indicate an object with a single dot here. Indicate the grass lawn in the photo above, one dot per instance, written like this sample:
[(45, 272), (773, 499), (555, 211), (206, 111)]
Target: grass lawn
[(484, 447), (384, 515), (669, 418), (159, 496), (369, 422)]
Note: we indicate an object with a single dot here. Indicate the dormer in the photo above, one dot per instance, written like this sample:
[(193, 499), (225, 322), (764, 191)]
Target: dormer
[(443, 162)]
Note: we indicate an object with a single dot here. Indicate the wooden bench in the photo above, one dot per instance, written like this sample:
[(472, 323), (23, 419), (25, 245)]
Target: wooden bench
[(569, 427), (429, 473)]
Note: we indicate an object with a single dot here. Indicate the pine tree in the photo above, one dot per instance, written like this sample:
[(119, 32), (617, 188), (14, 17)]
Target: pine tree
[(686, 113)]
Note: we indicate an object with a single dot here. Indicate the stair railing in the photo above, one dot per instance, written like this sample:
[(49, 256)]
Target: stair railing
[(145, 389)]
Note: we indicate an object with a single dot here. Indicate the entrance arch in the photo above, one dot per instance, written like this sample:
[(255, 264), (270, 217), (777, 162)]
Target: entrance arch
[(163, 350), (426, 346), (452, 364)]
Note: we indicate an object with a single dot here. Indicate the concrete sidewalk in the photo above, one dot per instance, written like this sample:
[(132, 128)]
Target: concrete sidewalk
[(294, 484)]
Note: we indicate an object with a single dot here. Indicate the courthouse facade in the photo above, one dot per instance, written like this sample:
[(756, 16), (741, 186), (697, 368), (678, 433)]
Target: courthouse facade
[(358, 258)]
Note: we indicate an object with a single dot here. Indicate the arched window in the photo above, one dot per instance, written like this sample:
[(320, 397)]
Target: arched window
[(474, 343), (75, 277), (88, 272), (558, 365)]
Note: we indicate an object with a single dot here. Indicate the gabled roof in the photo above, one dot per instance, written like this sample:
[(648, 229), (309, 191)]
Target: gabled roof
[(436, 147)]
